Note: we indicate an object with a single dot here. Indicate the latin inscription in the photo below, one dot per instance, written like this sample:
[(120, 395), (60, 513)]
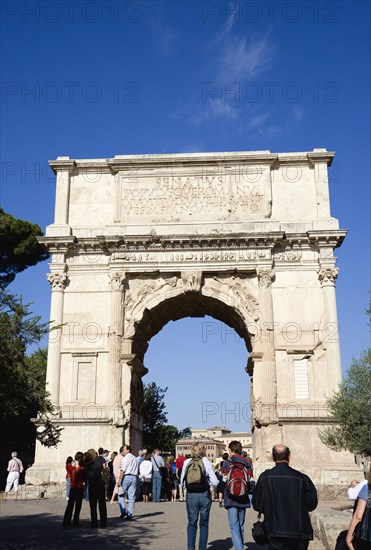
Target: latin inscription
[(190, 197)]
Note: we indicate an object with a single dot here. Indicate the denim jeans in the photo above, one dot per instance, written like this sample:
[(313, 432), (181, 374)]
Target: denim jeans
[(68, 485), (156, 486), (280, 543), (129, 486), (198, 504), (236, 518)]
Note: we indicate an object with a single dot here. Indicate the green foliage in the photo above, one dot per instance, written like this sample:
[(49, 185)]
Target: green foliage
[(168, 436), (154, 414), (350, 407), (156, 433), (18, 246), (22, 381)]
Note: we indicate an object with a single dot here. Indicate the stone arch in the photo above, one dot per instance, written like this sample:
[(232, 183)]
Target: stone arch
[(217, 299), (150, 238)]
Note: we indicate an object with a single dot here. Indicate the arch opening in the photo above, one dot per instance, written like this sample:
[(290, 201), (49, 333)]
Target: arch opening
[(181, 306)]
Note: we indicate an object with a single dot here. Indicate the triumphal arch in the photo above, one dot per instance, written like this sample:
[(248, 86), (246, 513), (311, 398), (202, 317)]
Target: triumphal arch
[(245, 237)]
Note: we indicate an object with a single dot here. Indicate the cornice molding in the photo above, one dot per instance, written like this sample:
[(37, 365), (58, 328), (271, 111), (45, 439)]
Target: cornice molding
[(123, 163), (108, 244), (331, 237), (61, 164)]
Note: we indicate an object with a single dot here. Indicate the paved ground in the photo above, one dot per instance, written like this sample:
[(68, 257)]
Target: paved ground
[(36, 524)]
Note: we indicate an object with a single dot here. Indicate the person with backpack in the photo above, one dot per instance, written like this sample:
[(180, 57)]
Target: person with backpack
[(236, 493), (197, 476)]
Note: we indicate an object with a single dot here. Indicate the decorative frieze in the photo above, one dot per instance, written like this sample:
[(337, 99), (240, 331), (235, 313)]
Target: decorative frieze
[(191, 256), (286, 254)]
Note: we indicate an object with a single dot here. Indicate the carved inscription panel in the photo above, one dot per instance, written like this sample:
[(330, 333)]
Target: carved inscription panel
[(225, 193)]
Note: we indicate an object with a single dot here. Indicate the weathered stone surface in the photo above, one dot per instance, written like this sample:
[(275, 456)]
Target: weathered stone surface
[(328, 523), (139, 240)]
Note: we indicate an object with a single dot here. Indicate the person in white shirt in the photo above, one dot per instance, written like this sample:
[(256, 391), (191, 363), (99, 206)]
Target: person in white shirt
[(355, 487), (145, 475), (15, 468), (128, 482), (198, 499), (157, 463)]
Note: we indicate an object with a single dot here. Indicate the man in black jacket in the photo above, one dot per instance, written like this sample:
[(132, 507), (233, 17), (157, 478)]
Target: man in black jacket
[(285, 496)]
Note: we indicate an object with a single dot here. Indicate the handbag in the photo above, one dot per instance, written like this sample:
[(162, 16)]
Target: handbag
[(340, 541), (259, 532)]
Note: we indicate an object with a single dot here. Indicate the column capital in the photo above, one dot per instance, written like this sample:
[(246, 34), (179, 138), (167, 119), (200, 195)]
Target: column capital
[(58, 281), (117, 279), (265, 277), (328, 276)]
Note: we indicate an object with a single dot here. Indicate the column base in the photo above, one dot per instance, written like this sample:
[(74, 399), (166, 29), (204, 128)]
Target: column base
[(308, 454), (77, 435)]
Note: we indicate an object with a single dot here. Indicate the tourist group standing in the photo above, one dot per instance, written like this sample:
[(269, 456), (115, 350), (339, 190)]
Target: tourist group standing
[(284, 495)]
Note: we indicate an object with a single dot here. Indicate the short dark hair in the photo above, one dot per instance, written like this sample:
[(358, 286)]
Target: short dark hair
[(128, 448), (280, 452), (100, 450), (225, 456), (121, 448), (235, 447)]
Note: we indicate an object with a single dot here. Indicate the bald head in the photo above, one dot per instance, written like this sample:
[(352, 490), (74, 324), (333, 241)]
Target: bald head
[(281, 453)]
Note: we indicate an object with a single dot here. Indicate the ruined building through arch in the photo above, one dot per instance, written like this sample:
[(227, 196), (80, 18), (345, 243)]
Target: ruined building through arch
[(245, 237)]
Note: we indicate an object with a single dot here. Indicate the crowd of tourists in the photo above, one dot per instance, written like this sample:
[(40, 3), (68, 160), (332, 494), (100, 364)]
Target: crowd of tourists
[(282, 494)]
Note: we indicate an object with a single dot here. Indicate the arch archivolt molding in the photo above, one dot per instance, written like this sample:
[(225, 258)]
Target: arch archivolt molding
[(238, 291)]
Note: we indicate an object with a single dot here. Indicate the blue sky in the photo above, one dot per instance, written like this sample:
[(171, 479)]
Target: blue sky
[(97, 79)]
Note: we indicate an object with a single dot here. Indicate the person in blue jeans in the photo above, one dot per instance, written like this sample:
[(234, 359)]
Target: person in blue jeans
[(236, 506), (157, 463), (198, 475), (127, 482)]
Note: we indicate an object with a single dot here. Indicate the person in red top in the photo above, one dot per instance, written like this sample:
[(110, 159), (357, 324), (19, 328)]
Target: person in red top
[(76, 492), (179, 466), (69, 469)]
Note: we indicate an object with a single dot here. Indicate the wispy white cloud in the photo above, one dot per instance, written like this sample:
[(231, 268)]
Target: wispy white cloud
[(298, 112), (213, 108), (231, 60), (167, 37), (242, 59), (258, 121)]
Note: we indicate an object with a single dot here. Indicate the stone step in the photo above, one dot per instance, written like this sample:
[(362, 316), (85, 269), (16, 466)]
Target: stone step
[(35, 492)]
